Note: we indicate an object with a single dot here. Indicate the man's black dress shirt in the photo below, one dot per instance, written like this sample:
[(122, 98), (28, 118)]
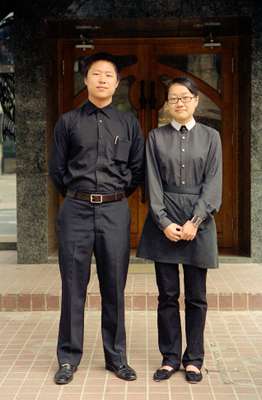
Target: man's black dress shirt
[(97, 150)]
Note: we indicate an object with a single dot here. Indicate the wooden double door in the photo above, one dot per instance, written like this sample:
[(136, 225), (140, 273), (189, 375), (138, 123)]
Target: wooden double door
[(147, 66)]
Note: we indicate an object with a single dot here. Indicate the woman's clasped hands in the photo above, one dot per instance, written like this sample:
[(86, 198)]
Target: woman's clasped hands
[(175, 232)]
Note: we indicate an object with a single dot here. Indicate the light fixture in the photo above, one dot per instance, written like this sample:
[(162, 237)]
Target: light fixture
[(88, 27), (86, 43), (210, 42)]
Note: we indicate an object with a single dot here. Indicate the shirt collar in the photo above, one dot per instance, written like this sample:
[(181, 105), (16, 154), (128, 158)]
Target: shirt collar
[(189, 125), (91, 108)]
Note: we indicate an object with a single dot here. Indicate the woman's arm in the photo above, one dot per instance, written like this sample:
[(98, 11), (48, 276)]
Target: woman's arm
[(211, 194)]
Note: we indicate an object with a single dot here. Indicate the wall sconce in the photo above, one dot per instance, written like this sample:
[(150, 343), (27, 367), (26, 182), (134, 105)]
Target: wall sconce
[(210, 42), (86, 43)]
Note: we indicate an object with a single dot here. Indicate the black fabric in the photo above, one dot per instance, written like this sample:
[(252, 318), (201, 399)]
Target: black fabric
[(183, 129), (97, 150), (82, 229), (192, 164), (169, 325), (201, 252)]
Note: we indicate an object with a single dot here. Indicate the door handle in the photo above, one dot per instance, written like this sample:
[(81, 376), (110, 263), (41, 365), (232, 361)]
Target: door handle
[(152, 98), (142, 99)]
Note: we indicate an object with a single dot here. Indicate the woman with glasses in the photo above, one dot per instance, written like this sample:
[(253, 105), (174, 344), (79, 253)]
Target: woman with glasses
[(184, 177)]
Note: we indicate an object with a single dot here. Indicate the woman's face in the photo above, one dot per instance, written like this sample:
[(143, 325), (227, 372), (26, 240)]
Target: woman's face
[(181, 103)]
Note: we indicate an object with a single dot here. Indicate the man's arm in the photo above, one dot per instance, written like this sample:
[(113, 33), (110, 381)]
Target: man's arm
[(136, 161), (58, 160)]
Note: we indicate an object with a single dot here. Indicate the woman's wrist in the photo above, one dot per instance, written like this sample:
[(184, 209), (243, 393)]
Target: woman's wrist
[(196, 220)]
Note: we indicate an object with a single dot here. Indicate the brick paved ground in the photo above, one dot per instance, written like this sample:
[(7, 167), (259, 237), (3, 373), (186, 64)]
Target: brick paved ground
[(233, 366)]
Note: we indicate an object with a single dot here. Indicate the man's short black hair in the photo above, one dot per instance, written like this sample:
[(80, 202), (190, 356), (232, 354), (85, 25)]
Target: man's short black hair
[(102, 56)]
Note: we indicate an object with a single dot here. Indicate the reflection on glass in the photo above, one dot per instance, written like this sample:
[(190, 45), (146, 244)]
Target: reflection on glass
[(7, 136), (79, 67), (121, 97), (206, 67), (79, 83), (207, 111), (6, 53)]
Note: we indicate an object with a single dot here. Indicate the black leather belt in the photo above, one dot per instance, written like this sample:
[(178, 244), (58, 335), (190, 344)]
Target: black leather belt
[(95, 198)]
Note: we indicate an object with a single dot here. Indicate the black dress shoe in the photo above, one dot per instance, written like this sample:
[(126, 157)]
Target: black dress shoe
[(194, 377), (163, 373), (123, 372), (64, 374)]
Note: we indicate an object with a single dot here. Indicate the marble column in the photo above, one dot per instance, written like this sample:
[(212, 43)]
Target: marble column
[(32, 193), (256, 138)]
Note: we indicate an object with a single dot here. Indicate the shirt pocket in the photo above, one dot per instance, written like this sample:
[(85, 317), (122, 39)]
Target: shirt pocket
[(121, 150)]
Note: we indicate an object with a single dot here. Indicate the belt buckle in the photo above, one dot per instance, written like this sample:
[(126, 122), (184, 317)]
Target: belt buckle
[(96, 198)]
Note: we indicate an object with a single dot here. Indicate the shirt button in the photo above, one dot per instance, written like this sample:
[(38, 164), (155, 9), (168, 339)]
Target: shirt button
[(183, 182), (183, 149), (100, 121), (183, 137), (183, 165)]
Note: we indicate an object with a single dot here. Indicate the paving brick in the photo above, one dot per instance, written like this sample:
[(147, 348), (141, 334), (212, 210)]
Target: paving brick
[(9, 302), (38, 302), (139, 302), (240, 301), (255, 301), (225, 301), (24, 302), (52, 302)]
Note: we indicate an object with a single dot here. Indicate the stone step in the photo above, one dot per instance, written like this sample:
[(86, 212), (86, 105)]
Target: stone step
[(37, 288)]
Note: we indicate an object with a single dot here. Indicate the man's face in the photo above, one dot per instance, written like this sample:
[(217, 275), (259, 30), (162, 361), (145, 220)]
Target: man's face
[(183, 110), (101, 81)]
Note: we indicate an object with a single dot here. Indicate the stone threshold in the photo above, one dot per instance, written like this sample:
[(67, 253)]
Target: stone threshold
[(232, 287), (53, 259)]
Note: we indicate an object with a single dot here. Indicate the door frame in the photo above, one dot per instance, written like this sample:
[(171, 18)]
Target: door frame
[(241, 145)]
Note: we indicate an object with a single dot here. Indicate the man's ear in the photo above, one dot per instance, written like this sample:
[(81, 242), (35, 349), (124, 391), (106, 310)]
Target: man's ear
[(117, 83)]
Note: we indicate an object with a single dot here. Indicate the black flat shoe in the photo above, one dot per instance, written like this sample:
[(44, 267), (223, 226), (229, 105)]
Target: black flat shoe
[(123, 372), (194, 377), (162, 374), (64, 374)]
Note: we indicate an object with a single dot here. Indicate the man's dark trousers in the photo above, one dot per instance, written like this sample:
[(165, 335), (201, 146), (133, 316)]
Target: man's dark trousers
[(84, 228), (169, 326)]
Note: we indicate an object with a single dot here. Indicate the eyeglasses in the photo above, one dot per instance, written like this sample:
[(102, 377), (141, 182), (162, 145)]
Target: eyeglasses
[(184, 99)]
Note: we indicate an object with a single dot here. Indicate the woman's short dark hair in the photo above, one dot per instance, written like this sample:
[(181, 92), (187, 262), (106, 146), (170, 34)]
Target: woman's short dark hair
[(102, 56), (185, 81)]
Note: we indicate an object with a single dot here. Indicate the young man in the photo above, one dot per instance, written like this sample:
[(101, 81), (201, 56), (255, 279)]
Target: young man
[(97, 160)]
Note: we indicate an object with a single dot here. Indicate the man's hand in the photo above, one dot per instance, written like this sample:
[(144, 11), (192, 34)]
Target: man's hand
[(189, 231), (173, 232)]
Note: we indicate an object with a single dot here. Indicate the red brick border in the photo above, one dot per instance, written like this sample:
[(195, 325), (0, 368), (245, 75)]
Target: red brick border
[(135, 302)]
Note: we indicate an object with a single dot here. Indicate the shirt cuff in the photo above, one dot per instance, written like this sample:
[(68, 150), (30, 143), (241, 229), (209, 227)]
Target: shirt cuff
[(196, 220), (163, 224)]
